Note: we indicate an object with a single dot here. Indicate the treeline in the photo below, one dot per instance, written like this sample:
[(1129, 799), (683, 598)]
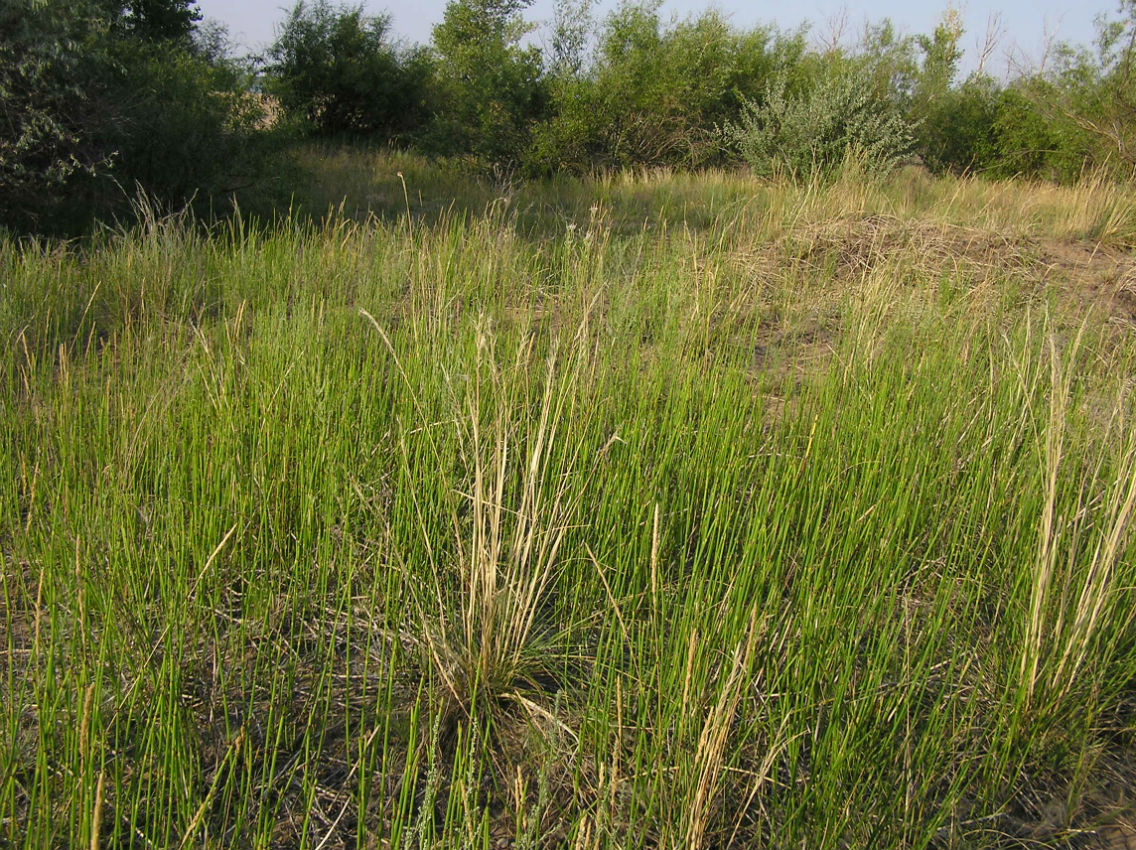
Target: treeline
[(102, 98), (635, 89)]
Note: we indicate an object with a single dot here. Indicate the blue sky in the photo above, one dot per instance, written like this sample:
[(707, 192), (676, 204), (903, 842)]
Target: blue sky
[(1025, 25)]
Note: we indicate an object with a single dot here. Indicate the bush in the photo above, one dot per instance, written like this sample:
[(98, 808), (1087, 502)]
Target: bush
[(655, 94), (99, 98), (815, 133), (162, 21), (1092, 94), (958, 132), (185, 128), (490, 90), (334, 68), (49, 108), (1031, 142)]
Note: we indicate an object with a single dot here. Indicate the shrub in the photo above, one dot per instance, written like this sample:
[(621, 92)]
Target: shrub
[(958, 132), (490, 89), (184, 128), (813, 134), (1092, 93), (334, 68), (48, 106), (99, 98), (655, 94), (1032, 142), (155, 20)]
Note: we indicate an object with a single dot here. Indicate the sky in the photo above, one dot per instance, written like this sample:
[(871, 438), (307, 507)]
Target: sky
[(1024, 26)]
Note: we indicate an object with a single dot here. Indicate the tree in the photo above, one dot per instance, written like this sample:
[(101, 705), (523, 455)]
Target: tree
[(887, 62), (91, 107), (814, 134), (335, 67), (941, 55), (160, 20), (1097, 91), (958, 128), (48, 104), (949, 122), (490, 89), (656, 93), (571, 27)]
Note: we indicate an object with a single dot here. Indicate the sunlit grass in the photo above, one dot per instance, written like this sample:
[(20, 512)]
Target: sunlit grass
[(652, 510)]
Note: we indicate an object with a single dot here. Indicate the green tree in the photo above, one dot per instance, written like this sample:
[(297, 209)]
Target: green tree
[(159, 20), (336, 68), (90, 109), (1033, 139), (958, 128), (490, 89), (1095, 90), (571, 27), (941, 56), (950, 123), (49, 105), (184, 128), (886, 62), (656, 93)]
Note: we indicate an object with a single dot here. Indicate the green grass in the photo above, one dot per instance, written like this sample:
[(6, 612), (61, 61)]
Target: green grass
[(650, 510)]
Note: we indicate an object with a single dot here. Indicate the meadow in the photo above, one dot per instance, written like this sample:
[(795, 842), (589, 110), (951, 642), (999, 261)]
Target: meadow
[(648, 510)]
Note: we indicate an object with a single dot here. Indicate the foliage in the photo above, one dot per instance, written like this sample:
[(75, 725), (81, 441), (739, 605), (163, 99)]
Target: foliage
[(981, 126), (335, 68), (885, 61), (1096, 92), (957, 132), (1053, 125), (490, 89), (656, 92), (48, 104), (185, 127), (100, 100), (156, 20), (570, 31), (815, 133), (1031, 142), (963, 128)]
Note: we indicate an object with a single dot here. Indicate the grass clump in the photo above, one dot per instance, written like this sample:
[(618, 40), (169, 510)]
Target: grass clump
[(484, 624)]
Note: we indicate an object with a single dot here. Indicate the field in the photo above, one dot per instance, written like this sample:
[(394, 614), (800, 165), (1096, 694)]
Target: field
[(652, 510)]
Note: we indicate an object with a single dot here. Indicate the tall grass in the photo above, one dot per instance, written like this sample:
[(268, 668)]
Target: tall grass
[(651, 511)]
